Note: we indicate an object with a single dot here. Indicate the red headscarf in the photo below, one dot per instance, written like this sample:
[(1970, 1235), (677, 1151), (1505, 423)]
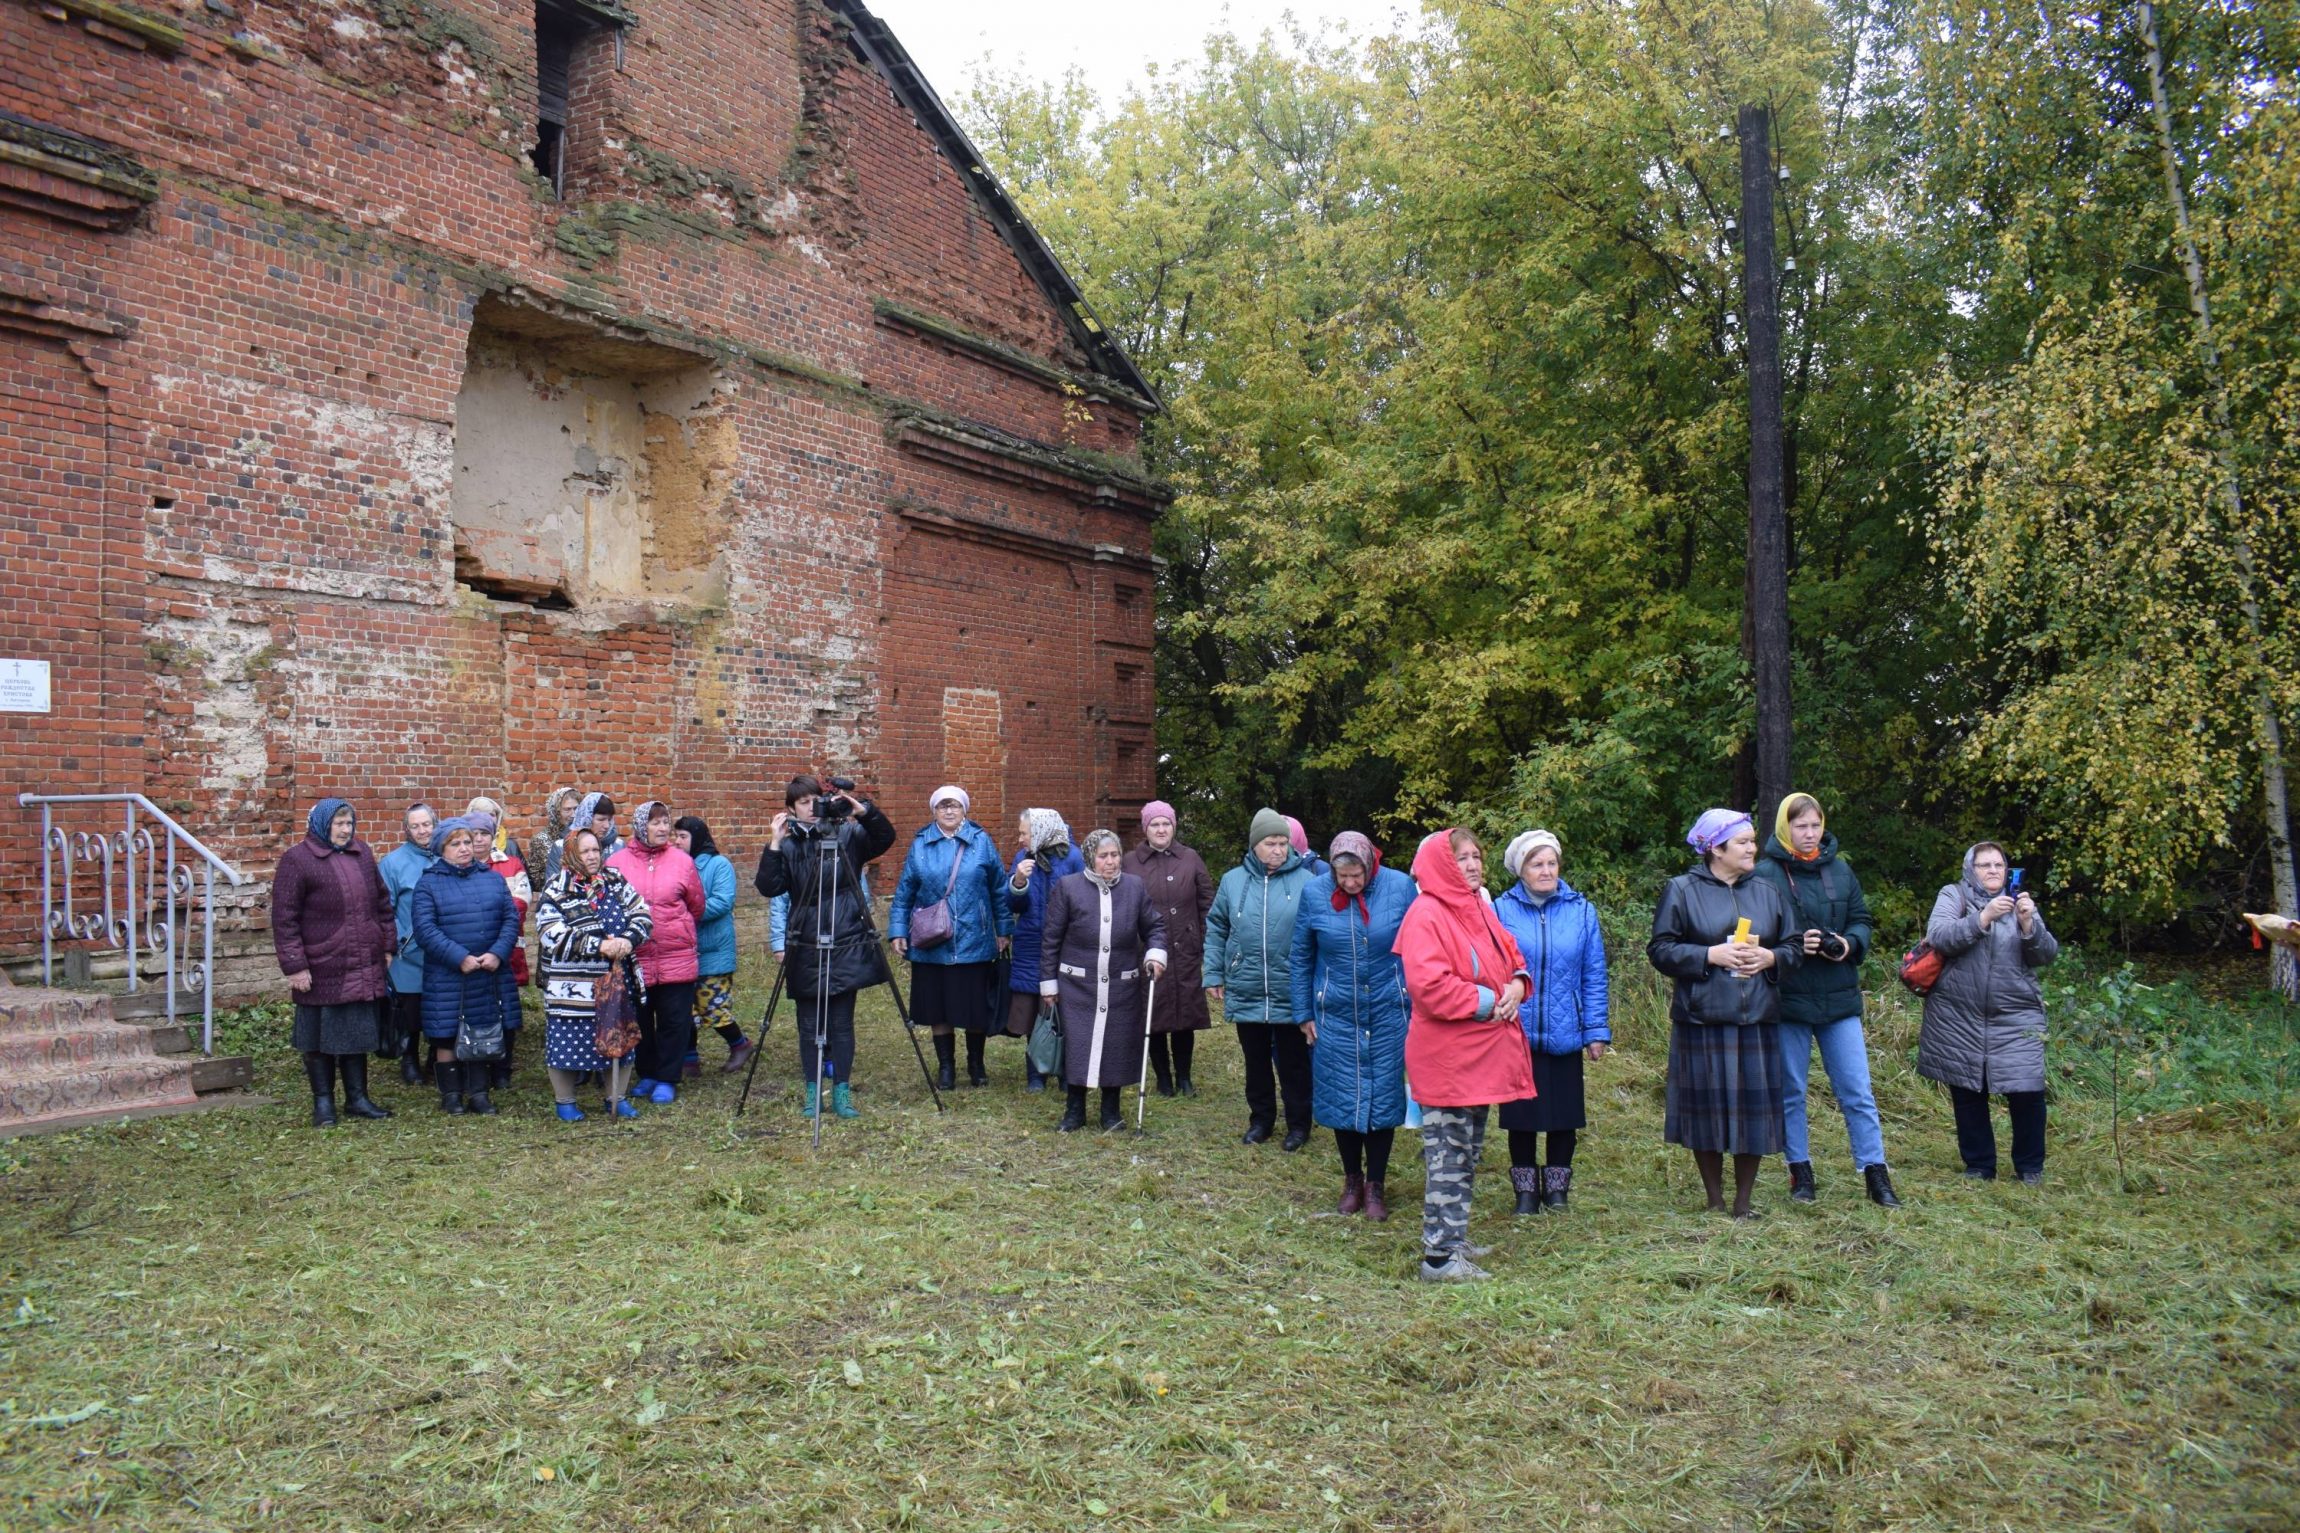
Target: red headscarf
[(1464, 925)]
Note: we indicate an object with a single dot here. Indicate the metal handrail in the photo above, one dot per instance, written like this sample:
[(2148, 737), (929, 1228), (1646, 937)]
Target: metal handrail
[(116, 855)]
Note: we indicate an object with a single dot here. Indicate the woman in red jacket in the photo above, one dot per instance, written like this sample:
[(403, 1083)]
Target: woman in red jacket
[(1465, 978), (669, 960)]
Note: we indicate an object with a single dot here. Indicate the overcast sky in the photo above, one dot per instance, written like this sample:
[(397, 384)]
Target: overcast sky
[(1112, 44)]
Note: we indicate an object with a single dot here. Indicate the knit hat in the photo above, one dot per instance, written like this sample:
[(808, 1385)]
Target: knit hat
[(950, 790), (1158, 809), (1522, 846), (1268, 823)]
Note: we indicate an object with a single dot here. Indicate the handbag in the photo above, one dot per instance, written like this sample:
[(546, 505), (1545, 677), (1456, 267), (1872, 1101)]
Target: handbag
[(479, 1041), (931, 925), (615, 1014), (1921, 965), (1045, 1045)]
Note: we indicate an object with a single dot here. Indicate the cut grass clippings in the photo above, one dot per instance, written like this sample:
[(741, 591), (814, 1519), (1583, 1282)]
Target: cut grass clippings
[(968, 1321)]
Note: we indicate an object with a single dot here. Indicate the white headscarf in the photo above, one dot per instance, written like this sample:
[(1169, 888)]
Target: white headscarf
[(1524, 846), (947, 791)]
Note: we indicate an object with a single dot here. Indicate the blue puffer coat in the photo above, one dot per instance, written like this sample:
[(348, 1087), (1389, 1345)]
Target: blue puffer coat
[(458, 912), (1250, 938), (979, 914), (715, 933), (1346, 979), (1029, 909), (1565, 952), (401, 867)]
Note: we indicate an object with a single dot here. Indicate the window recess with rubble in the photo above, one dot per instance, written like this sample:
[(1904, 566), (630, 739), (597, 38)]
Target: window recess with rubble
[(591, 467)]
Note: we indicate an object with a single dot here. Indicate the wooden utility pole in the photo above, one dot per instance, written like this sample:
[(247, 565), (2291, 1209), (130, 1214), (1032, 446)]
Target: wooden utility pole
[(2267, 726), (1767, 587)]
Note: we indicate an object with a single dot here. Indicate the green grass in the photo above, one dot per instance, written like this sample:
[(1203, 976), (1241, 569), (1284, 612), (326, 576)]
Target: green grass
[(967, 1321)]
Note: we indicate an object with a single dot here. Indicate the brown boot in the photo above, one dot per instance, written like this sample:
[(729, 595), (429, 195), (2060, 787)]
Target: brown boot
[(1376, 1207), (1353, 1195)]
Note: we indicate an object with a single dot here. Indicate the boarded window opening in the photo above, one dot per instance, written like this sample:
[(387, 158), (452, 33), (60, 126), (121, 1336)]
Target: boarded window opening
[(590, 467)]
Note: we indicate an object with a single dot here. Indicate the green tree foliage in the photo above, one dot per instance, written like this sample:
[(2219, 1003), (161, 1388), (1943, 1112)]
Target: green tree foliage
[(1448, 329)]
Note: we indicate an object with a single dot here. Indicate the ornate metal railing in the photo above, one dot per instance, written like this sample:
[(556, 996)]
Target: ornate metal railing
[(130, 890)]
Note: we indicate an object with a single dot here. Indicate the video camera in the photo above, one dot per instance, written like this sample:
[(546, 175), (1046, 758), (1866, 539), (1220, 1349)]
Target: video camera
[(829, 806)]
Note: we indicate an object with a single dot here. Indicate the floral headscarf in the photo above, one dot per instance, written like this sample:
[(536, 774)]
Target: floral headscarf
[(1715, 828), (1043, 828), (1095, 841)]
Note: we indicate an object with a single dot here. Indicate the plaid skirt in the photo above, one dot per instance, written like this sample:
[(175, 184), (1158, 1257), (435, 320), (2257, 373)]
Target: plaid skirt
[(1725, 1088)]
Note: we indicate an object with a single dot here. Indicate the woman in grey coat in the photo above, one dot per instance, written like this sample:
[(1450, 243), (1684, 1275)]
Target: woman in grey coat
[(1984, 1020), (1102, 936)]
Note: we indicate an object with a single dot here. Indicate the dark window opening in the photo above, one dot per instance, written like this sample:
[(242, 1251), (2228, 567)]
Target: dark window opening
[(560, 32)]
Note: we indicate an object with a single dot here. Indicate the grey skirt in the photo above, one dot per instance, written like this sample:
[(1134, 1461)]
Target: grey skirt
[(348, 1027)]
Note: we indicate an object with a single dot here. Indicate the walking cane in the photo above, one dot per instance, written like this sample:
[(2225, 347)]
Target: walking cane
[(1142, 1087)]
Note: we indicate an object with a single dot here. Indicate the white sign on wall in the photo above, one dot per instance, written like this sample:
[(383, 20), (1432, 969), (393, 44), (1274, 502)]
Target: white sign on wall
[(23, 686)]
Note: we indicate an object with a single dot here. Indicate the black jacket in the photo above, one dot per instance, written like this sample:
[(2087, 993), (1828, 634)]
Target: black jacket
[(791, 868), (1698, 910), (1822, 894)]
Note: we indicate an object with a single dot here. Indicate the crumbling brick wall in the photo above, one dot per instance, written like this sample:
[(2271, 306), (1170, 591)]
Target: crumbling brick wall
[(249, 253)]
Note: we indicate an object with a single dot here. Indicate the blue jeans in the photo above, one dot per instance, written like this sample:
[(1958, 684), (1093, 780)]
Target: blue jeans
[(1845, 1055)]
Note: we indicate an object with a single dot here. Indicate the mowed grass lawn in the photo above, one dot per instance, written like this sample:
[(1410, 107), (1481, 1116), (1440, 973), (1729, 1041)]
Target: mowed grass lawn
[(968, 1321)]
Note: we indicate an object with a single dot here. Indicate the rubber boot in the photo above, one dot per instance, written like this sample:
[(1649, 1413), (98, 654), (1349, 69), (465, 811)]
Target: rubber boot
[(1801, 1180), (1112, 1116), (843, 1100), (1880, 1185), (475, 1088), (946, 1062), (976, 1075), (1074, 1114), (355, 1098), (1527, 1181), (411, 1067), (1556, 1182), (319, 1069), (449, 1074)]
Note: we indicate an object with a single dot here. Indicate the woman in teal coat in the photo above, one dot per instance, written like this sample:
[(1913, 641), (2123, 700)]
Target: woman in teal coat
[(1249, 953), (1349, 996)]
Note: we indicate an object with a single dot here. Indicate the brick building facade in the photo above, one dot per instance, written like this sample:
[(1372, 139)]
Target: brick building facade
[(458, 396)]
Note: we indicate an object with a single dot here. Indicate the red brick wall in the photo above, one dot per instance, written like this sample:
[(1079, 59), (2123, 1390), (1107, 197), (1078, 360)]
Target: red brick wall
[(227, 432)]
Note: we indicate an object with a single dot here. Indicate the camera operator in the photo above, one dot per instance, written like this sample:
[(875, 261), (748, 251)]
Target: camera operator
[(816, 851)]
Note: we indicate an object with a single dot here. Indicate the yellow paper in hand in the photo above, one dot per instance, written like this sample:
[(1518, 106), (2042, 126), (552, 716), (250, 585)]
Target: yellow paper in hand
[(1741, 930)]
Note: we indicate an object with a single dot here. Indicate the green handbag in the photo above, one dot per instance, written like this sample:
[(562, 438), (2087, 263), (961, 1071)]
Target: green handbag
[(1045, 1045)]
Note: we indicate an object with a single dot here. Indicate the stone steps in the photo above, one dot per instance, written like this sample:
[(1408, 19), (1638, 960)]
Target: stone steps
[(64, 1059)]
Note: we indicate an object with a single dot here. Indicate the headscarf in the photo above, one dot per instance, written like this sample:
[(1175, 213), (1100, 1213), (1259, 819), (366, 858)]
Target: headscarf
[(1523, 845), (557, 812), (1797, 803), (570, 864), (1459, 911), (1298, 837), (1158, 808), (640, 818), (588, 808), (950, 790), (322, 819), (1360, 849), (1095, 840), (1042, 828), (421, 846), (699, 839), (1714, 829), (447, 828), (500, 843)]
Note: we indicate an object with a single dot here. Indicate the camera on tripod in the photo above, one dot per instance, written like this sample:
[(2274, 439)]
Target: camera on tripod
[(833, 804)]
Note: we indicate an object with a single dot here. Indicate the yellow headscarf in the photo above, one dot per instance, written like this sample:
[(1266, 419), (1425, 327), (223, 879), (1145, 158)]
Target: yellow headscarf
[(1797, 803)]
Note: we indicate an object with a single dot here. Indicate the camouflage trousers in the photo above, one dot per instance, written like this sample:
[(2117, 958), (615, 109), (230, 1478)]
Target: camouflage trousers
[(1452, 1137)]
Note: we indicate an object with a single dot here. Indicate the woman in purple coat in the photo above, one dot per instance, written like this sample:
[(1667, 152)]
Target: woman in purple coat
[(1103, 936), (333, 930)]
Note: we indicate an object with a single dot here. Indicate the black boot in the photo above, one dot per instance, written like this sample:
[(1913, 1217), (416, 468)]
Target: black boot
[(499, 1070), (411, 1070), (355, 1101), (946, 1062), (1880, 1185), (319, 1069), (449, 1074), (976, 1075), (1185, 1047), (1556, 1182), (1801, 1180), (1111, 1116), (1527, 1181), (1162, 1067), (475, 1088), (1074, 1113)]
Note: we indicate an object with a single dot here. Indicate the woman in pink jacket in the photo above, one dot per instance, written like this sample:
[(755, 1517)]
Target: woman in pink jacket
[(668, 962), (1464, 1052)]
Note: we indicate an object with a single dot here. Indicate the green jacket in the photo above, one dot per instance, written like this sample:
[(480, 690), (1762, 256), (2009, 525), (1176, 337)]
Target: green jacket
[(1822, 893)]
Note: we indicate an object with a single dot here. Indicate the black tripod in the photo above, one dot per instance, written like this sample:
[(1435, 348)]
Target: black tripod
[(830, 883)]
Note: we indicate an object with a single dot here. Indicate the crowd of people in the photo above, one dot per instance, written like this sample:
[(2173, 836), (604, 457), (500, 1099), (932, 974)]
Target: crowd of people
[(1363, 999)]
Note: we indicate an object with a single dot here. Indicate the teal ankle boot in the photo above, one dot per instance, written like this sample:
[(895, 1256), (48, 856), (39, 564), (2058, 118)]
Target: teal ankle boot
[(843, 1101)]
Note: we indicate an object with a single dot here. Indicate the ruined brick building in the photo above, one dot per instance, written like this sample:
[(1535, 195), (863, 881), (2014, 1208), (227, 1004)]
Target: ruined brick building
[(449, 396)]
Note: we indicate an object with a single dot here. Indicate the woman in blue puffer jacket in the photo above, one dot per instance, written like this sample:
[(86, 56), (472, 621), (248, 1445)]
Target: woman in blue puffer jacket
[(1565, 1018), (466, 924), (954, 981), (1349, 994)]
